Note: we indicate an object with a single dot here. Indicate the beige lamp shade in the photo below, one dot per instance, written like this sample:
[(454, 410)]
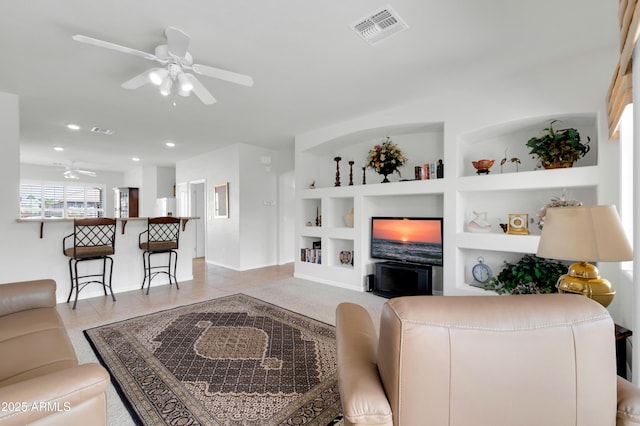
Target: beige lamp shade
[(585, 233)]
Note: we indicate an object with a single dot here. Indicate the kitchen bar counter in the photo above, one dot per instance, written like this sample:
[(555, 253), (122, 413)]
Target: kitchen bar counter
[(46, 251), (123, 221)]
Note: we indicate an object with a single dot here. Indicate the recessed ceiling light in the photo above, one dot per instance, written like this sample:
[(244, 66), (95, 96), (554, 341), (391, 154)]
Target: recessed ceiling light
[(58, 148), (73, 126), (135, 159), (170, 144)]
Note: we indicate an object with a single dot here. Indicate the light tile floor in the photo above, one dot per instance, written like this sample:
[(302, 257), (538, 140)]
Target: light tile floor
[(274, 284)]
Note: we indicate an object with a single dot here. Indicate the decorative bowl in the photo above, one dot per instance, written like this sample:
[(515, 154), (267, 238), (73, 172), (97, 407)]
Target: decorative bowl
[(482, 165)]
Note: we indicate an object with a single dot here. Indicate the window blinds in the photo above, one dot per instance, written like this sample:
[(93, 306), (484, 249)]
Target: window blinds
[(620, 89)]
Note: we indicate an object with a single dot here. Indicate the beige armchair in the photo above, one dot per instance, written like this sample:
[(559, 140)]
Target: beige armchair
[(526, 360), (40, 379)]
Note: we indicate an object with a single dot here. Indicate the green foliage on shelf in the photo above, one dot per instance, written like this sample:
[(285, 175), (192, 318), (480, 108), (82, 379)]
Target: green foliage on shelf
[(562, 146), (530, 275)]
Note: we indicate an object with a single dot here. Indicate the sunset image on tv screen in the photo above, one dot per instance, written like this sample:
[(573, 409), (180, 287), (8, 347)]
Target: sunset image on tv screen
[(412, 240)]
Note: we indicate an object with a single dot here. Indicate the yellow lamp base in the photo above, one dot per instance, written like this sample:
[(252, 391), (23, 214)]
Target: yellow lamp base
[(583, 278)]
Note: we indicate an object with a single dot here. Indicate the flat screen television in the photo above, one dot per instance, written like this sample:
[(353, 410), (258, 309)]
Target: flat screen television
[(416, 240)]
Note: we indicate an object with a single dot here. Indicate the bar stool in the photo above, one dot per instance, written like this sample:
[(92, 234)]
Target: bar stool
[(92, 239), (161, 236)]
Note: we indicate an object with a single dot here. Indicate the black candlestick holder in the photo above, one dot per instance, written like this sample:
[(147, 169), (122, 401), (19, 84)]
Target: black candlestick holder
[(351, 172), (337, 160), (364, 175)]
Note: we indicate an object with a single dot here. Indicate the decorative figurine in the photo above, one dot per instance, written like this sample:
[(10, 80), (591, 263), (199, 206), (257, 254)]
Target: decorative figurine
[(440, 169), (517, 161), (504, 160), (351, 172), (337, 160), (479, 223), (418, 172)]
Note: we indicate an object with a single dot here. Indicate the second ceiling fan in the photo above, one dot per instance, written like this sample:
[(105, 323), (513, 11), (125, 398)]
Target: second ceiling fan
[(176, 63)]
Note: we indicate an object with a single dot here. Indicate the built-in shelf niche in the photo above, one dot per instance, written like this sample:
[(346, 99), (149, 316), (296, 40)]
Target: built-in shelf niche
[(311, 212), (338, 249), (498, 204), (420, 142), (509, 141), (338, 208)]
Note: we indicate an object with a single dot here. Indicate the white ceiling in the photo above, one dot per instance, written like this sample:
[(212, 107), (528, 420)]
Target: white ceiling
[(310, 69)]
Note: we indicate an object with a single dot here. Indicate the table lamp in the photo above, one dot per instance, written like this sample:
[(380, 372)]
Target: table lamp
[(583, 234)]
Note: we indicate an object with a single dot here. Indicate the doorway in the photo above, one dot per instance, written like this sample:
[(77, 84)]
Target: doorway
[(197, 196)]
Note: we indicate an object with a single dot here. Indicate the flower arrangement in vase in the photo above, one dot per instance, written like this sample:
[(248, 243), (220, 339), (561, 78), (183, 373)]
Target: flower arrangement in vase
[(560, 201), (386, 158)]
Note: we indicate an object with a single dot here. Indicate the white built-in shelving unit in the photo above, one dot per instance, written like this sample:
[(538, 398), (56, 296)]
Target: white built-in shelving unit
[(455, 197)]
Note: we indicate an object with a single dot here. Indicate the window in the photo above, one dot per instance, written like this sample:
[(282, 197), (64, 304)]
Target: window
[(59, 200), (626, 176)]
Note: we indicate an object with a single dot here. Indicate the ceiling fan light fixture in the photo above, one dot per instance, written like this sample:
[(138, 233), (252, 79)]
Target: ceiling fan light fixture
[(185, 84), (165, 87), (70, 174), (158, 75)]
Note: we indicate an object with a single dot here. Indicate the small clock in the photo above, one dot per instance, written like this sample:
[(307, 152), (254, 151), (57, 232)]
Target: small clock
[(481, 271), (518, 224)]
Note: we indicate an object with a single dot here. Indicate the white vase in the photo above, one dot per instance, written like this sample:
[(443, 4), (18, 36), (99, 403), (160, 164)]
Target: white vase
[(348, 219), (479, 223)]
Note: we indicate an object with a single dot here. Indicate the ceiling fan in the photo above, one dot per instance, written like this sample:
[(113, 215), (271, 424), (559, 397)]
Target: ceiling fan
[(175, 62), (72, 172)]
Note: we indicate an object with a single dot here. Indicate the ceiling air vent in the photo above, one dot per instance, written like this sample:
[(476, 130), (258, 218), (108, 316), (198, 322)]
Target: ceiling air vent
[(379, 25), (102, 131)]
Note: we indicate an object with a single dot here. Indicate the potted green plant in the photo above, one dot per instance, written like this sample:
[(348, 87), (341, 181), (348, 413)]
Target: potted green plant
[(530, 275), (558, 148)]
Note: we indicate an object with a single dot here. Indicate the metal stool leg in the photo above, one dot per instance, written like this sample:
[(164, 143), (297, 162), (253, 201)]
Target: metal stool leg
[(71, 279), (144, 268), (110, 276), (175, 268), (104, 275), (75, 267), (149, 270)]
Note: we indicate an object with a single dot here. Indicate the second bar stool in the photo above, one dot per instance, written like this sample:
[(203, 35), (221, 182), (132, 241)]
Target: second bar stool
[(92, 239), (161, 236)]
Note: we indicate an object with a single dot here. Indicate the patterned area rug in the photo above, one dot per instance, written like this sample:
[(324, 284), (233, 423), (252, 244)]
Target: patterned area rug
[(229, 361)]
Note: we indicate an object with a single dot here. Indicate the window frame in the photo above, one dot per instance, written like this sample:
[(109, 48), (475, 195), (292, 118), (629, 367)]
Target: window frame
[(50, 204)]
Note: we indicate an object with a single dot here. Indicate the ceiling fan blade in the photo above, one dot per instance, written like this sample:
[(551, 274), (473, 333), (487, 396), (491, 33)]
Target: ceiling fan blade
[(86, 172), (138, 81), (233, 77), (178, 41), (200, 91), (116, 47)]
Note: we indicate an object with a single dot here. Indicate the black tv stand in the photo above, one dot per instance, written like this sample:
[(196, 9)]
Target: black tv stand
[(393, 279)]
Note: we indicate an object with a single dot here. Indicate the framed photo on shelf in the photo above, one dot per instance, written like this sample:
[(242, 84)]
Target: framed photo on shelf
[(518, 224)]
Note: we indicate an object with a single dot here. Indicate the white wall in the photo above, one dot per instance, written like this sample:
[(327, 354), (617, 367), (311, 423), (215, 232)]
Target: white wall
[(258, 208), (166, 179), (251, 237)]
